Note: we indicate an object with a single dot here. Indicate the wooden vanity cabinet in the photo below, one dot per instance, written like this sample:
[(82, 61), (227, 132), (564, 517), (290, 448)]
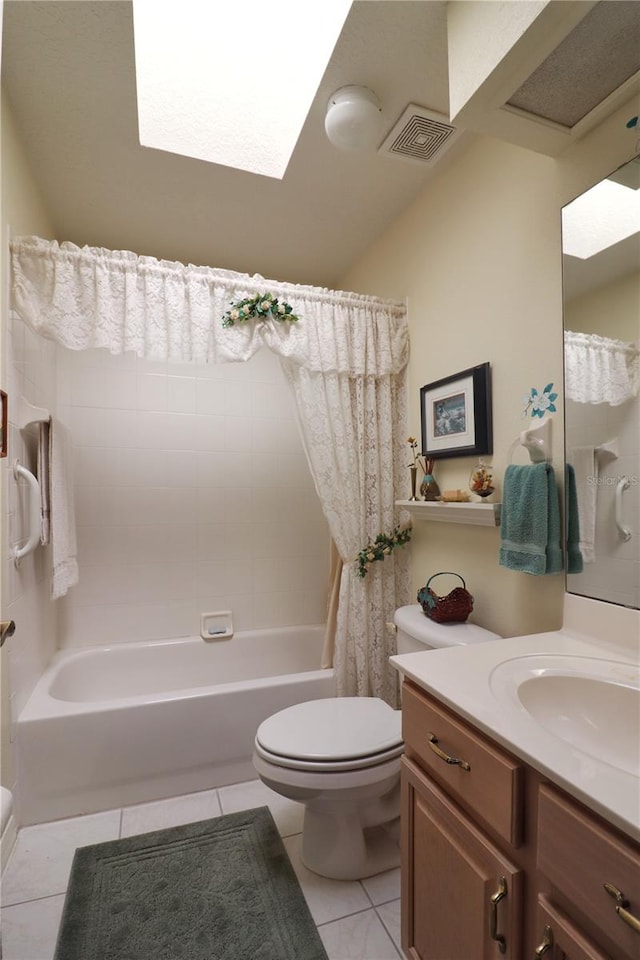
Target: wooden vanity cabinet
[(498, 864), (461, 895)]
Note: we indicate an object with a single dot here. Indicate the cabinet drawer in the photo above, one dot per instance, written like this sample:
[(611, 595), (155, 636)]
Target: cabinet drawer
[(565, 941), (578, 853), (490, 784)]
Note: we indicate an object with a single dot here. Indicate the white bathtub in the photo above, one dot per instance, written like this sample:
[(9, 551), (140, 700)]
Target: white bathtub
[(110, 726)]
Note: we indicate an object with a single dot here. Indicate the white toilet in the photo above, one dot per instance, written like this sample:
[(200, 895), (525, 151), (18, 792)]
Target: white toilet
[(340, 757)]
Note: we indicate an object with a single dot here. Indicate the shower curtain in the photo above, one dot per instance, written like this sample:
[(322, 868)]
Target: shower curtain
[(345, 360), (600, 369)]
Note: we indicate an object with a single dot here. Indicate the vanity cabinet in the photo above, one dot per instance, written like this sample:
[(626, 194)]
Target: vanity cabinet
[(462, 896), (496, 861)]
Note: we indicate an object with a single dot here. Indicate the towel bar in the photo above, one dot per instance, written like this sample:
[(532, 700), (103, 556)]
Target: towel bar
[(35, 522)]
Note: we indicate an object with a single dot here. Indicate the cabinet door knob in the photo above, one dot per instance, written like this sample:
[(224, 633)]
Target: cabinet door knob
[(496, 897), (433, 740), (546, 943), (622, 905)]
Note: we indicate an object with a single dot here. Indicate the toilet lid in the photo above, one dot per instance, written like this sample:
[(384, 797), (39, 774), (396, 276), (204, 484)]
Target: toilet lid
[(333, 729)]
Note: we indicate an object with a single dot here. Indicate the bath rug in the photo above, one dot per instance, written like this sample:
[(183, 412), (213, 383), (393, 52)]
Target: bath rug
[(221, 889)]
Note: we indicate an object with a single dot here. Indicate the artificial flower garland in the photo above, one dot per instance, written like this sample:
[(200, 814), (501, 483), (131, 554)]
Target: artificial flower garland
[(381, 547), (258, 308)]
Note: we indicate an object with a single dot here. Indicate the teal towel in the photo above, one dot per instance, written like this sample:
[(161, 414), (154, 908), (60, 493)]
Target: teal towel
[(530, 524), (575, 562)]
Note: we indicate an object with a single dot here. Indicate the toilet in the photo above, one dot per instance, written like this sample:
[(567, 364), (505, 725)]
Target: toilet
[(340, 757)]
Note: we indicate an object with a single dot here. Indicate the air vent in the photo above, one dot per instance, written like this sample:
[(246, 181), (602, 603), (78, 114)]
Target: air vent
[(420, 135)]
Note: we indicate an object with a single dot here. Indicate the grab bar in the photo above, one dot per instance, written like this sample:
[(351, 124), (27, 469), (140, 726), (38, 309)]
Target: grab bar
[(623, 484), (35, 522)]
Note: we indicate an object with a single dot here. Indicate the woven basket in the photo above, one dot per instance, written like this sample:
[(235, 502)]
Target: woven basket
[(454, 608)]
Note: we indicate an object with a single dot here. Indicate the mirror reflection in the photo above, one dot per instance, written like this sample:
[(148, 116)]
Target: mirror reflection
[(601, 289)]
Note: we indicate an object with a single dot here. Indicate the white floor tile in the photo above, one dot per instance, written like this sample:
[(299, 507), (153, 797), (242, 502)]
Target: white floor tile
[(169, 813), (41, 859), (30, 930), (327, 899), (358, 937), (383, 886), (389, 913), (36, 876), (287, 814)]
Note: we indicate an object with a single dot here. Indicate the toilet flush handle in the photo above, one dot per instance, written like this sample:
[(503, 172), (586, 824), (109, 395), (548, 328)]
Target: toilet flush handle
[(7, 629)]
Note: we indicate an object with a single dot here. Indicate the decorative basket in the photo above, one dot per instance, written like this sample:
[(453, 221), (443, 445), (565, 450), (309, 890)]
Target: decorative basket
[(454, 608)]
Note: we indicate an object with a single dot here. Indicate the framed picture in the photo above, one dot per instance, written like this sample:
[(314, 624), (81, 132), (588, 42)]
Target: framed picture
[(4, 423), (456, 414)]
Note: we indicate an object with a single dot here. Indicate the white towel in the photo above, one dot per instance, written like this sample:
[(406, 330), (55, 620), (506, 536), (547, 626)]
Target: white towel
[(585, 466), (43, 480), (63, 522)]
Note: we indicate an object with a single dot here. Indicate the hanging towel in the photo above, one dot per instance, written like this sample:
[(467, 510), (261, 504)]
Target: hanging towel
[(530, 524), (585, 465), (63, 523), (574, 555), (43, 480)]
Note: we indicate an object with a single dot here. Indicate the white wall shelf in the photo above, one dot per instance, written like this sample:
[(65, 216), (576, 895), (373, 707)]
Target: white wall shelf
[(478, 513)]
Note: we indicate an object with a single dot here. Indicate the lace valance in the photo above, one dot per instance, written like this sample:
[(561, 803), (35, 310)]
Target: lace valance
[(85, 297), (599, 369)]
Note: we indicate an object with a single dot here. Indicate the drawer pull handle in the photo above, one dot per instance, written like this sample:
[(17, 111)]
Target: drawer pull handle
[(496, 897), (622, 905), (546, 943), (433, 740)]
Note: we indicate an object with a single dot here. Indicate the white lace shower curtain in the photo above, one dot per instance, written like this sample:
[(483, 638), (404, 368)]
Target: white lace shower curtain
[(600, 369), (345, 360)]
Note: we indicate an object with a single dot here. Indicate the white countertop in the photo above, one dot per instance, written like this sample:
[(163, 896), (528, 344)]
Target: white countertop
[(470, 680)]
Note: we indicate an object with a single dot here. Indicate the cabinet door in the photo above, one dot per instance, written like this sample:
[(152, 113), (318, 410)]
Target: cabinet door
[(559, 938), (461, 896)]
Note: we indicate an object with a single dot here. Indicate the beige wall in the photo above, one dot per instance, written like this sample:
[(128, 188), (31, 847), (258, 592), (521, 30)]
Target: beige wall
[(609, 311), (479, 258), (24, 369)]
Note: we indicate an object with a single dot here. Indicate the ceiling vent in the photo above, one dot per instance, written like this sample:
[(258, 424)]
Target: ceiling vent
[(420, 135)]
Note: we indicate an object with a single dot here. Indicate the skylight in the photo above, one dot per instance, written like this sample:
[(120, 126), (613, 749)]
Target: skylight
[(606, 214), (231, 82)]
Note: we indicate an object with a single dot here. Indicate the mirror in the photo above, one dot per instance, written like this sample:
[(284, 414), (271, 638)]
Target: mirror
[(601, 295)]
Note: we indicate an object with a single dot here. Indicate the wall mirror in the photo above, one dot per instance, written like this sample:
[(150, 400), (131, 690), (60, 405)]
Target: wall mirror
[(601, 294)]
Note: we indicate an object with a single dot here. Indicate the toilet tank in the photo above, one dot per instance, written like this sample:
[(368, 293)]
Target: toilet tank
[(415, 631)]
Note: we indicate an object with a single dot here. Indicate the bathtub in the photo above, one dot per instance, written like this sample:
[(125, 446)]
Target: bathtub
[(110, 726)]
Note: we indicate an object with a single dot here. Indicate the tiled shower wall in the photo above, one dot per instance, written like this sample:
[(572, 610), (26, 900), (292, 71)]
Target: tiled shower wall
[(193, 495), (615, 574)]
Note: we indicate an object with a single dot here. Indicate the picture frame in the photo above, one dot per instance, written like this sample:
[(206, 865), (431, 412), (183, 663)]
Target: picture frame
[(4, 423), (456, 414)]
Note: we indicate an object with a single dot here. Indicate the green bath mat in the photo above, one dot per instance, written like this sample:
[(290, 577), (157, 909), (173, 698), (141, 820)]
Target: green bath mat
[(220, 889)]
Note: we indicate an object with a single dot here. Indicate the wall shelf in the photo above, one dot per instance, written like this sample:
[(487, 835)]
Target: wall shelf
[(478, 513)]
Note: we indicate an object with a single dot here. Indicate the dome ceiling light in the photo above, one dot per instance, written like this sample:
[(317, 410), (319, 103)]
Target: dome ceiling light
[(353, 118)]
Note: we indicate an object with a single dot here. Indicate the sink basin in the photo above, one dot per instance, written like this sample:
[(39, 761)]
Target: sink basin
[(591, 704)]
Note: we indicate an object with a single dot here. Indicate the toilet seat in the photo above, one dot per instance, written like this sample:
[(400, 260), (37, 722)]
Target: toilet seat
[(333, 734)]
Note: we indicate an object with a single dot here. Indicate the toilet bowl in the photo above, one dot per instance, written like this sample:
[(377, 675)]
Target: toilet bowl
[(340, 757)]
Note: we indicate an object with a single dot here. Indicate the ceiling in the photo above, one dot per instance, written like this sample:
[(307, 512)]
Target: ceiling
[(68, 72)]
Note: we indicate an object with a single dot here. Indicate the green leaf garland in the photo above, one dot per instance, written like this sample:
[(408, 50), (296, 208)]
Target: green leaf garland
[(260, 307), (381, 547)]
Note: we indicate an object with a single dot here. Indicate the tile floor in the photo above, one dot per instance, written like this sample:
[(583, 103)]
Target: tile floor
[(357, 920)]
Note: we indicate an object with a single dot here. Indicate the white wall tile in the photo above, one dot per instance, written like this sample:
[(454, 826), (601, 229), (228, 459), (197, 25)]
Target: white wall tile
[(181, 394), (192, 493)]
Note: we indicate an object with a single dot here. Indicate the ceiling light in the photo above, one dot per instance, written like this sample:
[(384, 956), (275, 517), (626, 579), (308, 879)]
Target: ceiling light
[(604, 215), (231, 83), (353, 118)]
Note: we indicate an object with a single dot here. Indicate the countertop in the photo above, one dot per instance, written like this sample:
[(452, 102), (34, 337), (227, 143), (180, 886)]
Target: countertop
[(470, 680)]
